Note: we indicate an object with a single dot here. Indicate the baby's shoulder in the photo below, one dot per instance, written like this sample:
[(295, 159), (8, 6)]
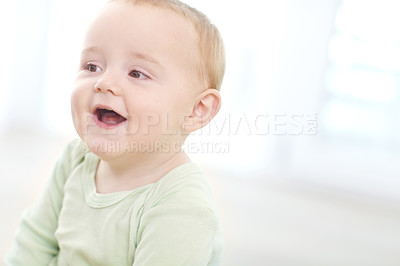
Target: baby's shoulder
[(74, 153), (184, 186)]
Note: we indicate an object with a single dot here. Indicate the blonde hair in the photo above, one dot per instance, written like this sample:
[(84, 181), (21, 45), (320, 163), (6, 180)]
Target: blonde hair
[(211, 46)]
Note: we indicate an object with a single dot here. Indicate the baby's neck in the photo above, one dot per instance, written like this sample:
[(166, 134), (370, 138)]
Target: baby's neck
[(112, 177)]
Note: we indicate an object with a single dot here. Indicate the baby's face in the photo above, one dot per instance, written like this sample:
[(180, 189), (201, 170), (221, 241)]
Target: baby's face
[(138, 77)]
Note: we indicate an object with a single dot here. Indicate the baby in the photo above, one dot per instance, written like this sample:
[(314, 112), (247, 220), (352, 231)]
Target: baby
[(126, 193)]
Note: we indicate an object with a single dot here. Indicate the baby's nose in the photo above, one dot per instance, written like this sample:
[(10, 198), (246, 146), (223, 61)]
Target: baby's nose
[(107, 83)]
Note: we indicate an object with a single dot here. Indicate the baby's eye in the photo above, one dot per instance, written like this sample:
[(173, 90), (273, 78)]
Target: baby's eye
[(138, 75), (92, 67)]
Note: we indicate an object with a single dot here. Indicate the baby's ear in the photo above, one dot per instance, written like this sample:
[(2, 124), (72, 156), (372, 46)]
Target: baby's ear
[(205, 108)]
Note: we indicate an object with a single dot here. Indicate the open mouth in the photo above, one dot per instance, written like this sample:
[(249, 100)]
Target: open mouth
[(108, 117)]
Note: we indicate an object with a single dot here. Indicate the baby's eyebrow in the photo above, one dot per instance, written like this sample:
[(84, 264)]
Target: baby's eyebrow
[(146, 58), (90, 49), (133, 54)]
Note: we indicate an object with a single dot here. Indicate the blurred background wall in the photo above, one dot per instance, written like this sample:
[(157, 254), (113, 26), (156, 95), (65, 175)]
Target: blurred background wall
[(304, 155)]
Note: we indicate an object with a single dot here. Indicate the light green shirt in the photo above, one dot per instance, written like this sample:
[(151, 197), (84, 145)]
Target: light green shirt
[(171, 222)]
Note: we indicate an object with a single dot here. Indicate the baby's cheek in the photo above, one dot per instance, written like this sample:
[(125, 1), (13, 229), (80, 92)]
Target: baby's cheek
[(79, 110), (78, 90), (76, 102)]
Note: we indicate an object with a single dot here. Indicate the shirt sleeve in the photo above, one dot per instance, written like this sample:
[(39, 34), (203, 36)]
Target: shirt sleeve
[(35, 242), (175, 234)]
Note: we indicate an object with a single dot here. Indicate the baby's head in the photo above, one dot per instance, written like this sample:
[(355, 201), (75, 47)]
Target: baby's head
[(150, 74), (209, 42)]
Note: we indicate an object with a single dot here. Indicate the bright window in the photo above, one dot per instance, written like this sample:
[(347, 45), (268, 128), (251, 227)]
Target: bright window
[(363, 81)]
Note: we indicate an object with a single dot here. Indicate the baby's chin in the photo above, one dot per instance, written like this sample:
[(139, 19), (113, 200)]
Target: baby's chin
[(110, 150), (105, 148)]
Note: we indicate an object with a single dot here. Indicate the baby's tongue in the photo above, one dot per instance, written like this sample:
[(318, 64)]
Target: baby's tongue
[(111, 118)]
